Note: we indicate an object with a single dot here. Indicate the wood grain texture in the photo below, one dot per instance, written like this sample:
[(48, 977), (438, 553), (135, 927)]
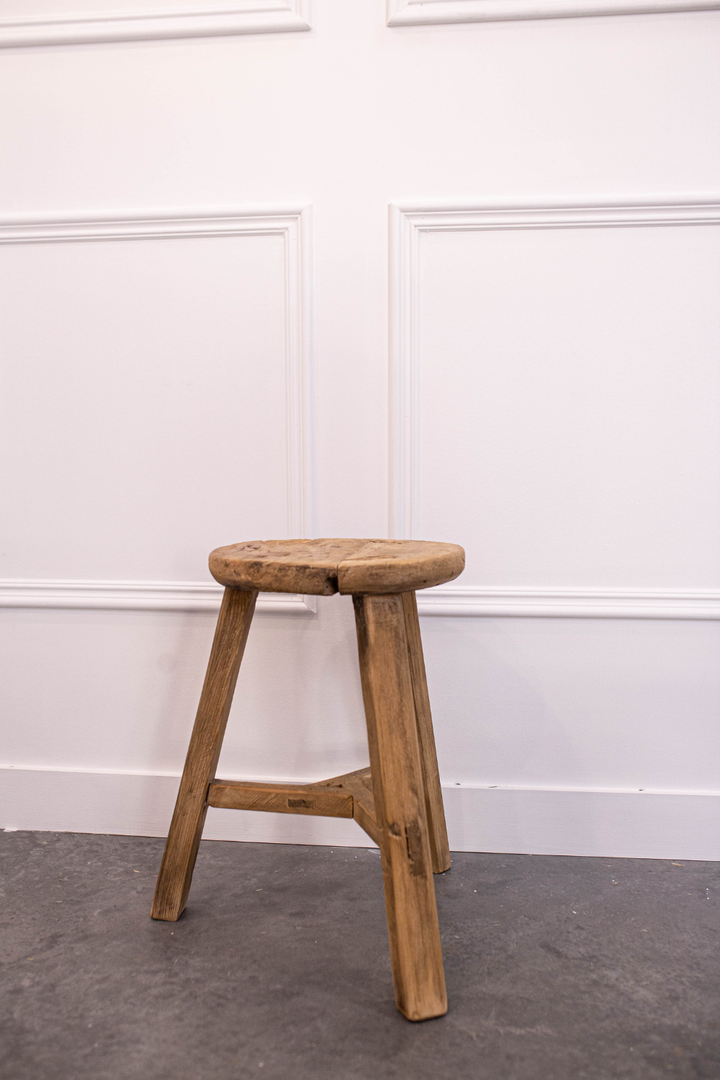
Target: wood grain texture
[(399, 798), (359, 784), (437, 829), (281, 798), (349, 795), (395, 566), (345, 779), (326, 566), (176, 871)]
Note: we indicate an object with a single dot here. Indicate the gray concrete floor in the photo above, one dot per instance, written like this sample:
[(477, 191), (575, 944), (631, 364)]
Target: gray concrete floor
[(557, 968)]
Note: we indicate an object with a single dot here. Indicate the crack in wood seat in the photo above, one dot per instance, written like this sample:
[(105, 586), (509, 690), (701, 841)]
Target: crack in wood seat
[(324, 567), (398, 800)]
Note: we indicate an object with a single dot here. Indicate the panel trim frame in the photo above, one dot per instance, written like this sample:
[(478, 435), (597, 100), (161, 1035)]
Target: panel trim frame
[(408, 221), (294, 226), (439, 12), (242, 17), (136, 596), (580, 603)]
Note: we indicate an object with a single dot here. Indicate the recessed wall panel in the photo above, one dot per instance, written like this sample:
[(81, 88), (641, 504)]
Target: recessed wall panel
[(145, 403), (566, 403)]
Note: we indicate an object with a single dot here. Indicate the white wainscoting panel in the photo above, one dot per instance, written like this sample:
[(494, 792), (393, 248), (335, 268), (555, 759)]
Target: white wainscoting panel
[(535, 821), (570, 330), (555, 402), (423, 12), (175, 399), (88, 23)]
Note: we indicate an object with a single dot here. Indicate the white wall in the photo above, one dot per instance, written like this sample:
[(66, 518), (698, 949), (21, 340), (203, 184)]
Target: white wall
[(323, 275)]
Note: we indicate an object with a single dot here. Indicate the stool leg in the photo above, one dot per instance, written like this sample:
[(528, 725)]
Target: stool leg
[(398, 789), (439, 847), (183, 840)]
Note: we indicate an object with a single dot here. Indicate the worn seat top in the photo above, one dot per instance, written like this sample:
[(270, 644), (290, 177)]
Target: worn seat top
[(323, 567)]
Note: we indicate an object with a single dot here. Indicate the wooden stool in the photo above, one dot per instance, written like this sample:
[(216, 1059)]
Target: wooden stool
[(397, 801)]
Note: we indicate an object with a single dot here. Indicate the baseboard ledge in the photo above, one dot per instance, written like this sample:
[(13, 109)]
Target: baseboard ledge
[(537, 821)]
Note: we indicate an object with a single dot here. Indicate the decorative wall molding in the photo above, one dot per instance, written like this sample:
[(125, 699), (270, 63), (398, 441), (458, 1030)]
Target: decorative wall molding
[(240, 17), (407, 223), (137, 596), (650, 824), (424, 12), (293, 225), (571, 603), (250, 221)]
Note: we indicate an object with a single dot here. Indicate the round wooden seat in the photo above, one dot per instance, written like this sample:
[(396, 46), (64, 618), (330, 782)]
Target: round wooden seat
[(324, 567)]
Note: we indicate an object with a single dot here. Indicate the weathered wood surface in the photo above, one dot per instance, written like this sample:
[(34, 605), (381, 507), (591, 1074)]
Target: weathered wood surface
[(178, 862), (359, 784), (397, 801), (281, 798), (362, 775), (323, 567), (400, 808), (349, 795), (439, 847)]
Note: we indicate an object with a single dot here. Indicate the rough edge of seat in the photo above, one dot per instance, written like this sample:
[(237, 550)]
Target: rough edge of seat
[(361, 573), (382, 575), (293, 577)]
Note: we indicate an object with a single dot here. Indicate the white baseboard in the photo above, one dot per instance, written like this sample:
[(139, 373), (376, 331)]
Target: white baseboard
[(141, 804), (622, 824), (537, 821)]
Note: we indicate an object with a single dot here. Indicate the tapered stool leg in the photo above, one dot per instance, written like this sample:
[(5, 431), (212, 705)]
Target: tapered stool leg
[(439, 847), (400, 807), (183, 840)]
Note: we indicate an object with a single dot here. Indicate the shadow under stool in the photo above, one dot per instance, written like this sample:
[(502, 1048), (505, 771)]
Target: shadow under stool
[(398, 800)]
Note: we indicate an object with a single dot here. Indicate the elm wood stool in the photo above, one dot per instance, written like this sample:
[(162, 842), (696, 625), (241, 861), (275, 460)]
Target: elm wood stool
[(397, 801)]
